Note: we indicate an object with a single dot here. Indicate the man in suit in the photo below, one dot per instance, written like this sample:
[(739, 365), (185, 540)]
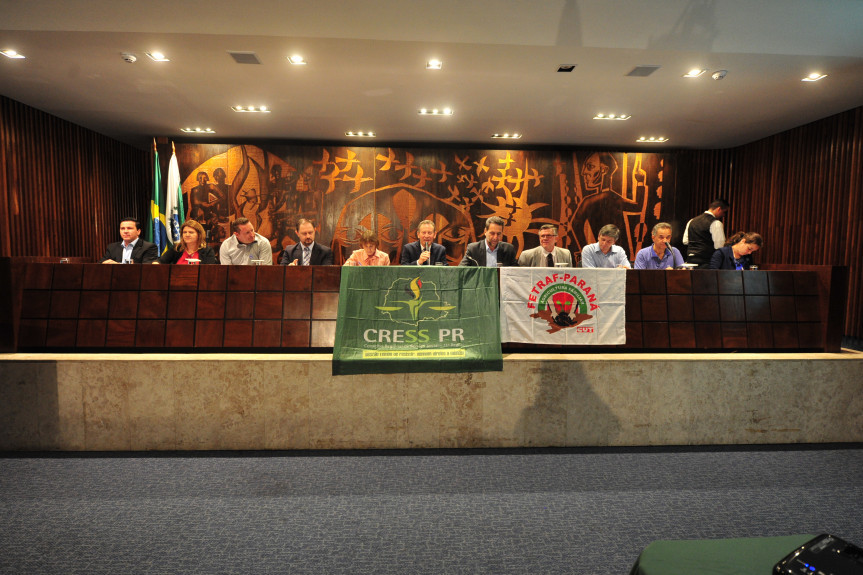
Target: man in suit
[(546, 254), (307, 252), (424, 252), (490, 252), (132, 249)]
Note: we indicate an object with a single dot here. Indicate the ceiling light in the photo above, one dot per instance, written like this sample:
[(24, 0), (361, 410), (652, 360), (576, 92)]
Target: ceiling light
[(198, 130), (12, 54), (651, 140), (566, 67), (435, 112), (297, 60), (360, 134), (719, 74), (612, 117), (434, 65), (694, 73), (157, 57), (507, 136), (813, 77), (262, 109)]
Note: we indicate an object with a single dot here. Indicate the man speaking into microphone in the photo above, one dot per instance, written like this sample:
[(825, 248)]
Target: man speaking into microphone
[(424, 252), (661, 255)]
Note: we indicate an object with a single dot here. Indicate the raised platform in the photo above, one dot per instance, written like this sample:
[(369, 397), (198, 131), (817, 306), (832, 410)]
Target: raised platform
[(262, 401)]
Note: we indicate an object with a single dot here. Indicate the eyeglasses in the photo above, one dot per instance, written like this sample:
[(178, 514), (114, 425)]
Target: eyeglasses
[(546, 236)]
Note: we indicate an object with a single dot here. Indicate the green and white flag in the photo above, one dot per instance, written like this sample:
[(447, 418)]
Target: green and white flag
[(400, 319), (563, 306)]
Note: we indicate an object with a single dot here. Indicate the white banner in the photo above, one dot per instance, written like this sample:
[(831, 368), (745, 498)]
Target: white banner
[(563, 306)]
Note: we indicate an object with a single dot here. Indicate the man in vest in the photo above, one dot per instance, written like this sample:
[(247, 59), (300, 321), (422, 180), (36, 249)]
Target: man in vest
[(704, 234)]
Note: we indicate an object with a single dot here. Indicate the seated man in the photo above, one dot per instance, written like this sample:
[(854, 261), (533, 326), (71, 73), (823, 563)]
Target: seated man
[(661, 255), (490, 252), (604, 254), (245, 247), (307, 252), (132, 249), (546, 254), (424, 252)]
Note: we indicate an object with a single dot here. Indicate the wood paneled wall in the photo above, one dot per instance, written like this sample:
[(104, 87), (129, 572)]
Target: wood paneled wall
[(63, 188), (802, 190)]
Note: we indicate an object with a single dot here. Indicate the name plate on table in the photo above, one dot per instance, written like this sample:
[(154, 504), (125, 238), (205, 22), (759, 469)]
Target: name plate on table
[(563, 306), (410, 319)]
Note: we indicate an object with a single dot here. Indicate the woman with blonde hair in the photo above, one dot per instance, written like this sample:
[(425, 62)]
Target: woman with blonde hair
[(192, 247), (369, 255)]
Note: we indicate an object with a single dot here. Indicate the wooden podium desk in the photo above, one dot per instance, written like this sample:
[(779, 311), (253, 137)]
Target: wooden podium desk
[(92, 307)]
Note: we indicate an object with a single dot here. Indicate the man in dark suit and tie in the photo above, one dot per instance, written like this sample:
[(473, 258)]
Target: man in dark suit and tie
[(132, 249), (424, 252), (307, 252), (490, 252)]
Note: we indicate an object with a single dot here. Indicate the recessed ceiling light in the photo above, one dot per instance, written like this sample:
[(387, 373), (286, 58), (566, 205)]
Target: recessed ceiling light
[(612, 117), (813, 77), (507, 136), (434, 65), (157, 57), (651, 140), (297, 60), (198, 130), (12, 54), (694, 73), (566, 67), (435, 111), (263, 109), (360, 134)]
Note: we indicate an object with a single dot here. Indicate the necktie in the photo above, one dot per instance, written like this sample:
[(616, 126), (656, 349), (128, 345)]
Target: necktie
[(550, 261), (307, 255)]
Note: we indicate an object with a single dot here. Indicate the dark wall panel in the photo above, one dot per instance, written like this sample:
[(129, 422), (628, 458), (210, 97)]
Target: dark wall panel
[(63, 188), (802, 190)]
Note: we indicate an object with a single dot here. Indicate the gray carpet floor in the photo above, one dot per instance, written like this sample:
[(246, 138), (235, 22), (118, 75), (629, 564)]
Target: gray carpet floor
[(489, 511)]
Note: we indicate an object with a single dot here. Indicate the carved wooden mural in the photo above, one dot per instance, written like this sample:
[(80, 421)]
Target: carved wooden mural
[(390, 190)]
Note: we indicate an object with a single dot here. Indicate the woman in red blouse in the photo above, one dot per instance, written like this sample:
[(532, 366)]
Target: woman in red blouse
[(191, 249)]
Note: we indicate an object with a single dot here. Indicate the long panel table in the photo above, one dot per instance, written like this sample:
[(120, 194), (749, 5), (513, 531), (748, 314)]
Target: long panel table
[(92, 307)]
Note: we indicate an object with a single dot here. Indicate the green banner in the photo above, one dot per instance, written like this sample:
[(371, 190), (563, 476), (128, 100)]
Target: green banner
[(401, 319)]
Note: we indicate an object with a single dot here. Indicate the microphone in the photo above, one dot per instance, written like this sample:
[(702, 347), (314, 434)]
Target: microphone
[(427, 248), (467, 256), (670, 249)]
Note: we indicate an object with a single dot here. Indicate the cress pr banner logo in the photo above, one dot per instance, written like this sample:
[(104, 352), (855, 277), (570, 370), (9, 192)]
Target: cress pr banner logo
[(434, 319), (410, 301), (572, 307)]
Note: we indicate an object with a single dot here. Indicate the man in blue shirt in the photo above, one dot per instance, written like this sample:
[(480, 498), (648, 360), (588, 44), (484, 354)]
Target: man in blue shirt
[(604, 254), (491, 251), (661, 255)]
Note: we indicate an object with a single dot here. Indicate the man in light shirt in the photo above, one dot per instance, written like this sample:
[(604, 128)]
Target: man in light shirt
[(245, 247), (491, 251), (604, 254)]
